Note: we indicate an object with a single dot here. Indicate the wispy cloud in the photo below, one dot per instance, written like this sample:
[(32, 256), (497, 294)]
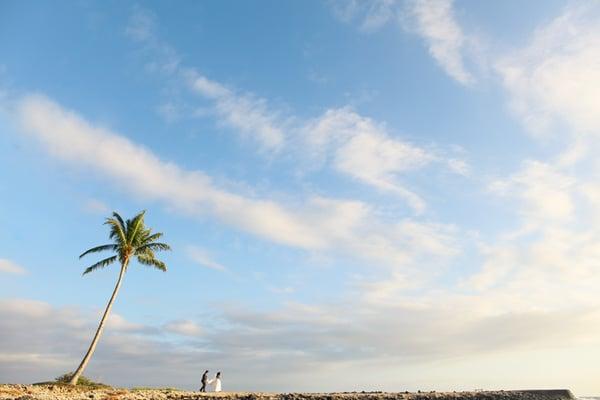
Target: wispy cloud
[(10, 267), (202, 257), (363, 150), (244, 112), (358, 146), (553, 89), (552, 246), (322, 224), (553, 81), (371, 14), (95, 206), (433, 20), (436, 23), (545, 191)]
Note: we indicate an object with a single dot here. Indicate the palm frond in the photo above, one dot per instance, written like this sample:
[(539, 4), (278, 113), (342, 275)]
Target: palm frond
[(135, 226), (119, 219), (131, 238), (153, 237), (145, 253), (97, 249), (141, 237), (116, 231), (156, 246), (151, 261), (100, 264)]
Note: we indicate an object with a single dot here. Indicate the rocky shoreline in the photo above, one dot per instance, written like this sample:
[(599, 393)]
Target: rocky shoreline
[(64, 392)]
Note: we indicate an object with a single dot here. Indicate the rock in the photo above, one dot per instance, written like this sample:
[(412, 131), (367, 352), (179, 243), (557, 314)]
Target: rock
[(61, 392)]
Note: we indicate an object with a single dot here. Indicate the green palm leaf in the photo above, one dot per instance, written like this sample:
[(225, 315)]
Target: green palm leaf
[(133, 227), (153, 237), (100, 264), (99, 248), (151, 261), (155, 247), (119, 219), (131, 238), (116, 231)]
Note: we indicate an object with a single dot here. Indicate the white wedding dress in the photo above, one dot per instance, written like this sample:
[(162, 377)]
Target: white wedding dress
[(216, 382)]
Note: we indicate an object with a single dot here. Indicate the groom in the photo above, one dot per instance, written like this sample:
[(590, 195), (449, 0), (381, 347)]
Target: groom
[(204, 381)]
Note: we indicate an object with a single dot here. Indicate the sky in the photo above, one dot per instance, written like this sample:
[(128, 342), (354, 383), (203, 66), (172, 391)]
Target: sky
[(359, 195)]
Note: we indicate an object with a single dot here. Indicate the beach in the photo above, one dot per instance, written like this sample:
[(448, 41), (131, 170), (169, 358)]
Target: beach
[(65, 392)]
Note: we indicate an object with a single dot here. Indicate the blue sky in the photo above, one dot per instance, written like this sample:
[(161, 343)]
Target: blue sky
[(352, 189)]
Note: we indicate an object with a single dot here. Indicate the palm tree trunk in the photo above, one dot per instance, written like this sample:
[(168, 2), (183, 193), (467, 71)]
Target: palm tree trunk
[(90, 351)]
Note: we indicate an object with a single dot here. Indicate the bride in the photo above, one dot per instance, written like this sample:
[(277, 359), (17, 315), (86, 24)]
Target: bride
[(216, 382)]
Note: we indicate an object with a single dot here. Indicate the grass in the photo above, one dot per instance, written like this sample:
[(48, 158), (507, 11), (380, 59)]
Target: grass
[(83, 381)]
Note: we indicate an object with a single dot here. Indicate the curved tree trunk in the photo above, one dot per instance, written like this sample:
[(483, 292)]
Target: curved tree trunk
[(90, 351)]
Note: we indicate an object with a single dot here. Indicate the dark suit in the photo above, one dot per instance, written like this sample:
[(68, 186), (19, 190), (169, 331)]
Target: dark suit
[(204, 381)]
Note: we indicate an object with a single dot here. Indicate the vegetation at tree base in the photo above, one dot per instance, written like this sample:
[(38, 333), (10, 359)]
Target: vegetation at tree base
[(131, 239), (82, 381)]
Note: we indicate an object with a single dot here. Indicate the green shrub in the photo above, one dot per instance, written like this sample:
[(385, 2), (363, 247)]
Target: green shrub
[(83, 381)]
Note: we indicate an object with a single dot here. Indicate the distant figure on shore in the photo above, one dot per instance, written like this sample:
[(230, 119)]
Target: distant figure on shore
[(216, 382), (204, 381)]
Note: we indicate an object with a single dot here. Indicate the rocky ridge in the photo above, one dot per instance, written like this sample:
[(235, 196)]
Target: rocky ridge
[(65, 392)]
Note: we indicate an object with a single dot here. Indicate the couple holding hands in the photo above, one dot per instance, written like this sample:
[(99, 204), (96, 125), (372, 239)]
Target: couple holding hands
[(215, 382)]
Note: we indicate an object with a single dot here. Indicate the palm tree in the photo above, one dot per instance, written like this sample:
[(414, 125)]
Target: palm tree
[(131, 239)]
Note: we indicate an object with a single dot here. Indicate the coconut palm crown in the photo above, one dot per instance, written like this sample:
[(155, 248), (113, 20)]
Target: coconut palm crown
[(131, 240)]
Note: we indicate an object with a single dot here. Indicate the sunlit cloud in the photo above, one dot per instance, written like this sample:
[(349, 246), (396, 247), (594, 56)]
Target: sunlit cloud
[(321, 224), (554, 79), (202, 257), (10, 267)]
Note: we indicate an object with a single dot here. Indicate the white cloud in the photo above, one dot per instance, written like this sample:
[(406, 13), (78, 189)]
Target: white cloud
[(70, 138), (118, 323), (184, 328), (554, 81), (553, 85), (95, 206), (376, 159), (372, 14), (141, 28), (433, 20), (294, 348), (42, 342), (436, 23), (10, 267), (320, 225), (378, 14), (245, 112), (363, 149), (545, 192), (202, 257), (459, 166), (552, 247), (500, 262)]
